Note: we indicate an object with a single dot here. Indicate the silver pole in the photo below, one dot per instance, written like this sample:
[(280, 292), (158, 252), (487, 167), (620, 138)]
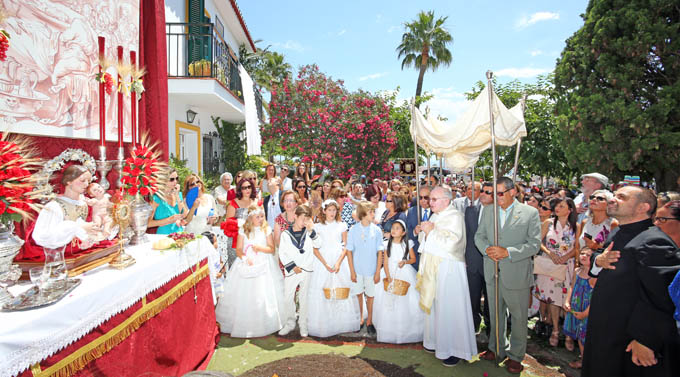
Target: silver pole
[(428, 168), (441, 169), (417, 172), (489, 75), (514, 170), (523, 101), (472, 182)]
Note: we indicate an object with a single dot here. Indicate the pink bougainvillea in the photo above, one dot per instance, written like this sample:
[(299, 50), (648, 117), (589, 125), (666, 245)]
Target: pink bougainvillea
[(315, 118)]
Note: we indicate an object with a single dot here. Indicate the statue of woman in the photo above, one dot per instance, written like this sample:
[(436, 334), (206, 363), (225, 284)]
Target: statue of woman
[(64, 219)]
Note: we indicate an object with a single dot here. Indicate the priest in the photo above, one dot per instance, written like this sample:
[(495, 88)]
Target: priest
[(631, 330), (442, 282)]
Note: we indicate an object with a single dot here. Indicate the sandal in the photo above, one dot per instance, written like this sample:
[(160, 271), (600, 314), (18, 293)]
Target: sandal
[(554, 338)]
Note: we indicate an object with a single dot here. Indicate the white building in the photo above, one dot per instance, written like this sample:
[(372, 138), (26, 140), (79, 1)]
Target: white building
[(203, 39)]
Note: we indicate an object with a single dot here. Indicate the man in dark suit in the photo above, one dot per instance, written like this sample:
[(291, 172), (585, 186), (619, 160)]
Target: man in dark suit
[(474, 262), (412, 220), (631, 330)]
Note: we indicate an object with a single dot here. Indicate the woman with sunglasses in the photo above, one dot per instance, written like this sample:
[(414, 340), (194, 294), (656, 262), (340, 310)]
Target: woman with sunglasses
[(169, 210), (236, 213), (597, 225), (203, 212), (300, 187), (396, 207)]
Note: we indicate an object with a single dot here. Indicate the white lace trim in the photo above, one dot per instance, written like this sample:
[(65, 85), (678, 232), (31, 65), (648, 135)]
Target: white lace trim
[(21, 359)]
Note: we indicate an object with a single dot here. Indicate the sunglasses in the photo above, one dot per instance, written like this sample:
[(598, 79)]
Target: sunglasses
[(302, 186), (662, 220), (598, 198), (173, 179), (246, 187), (488, 192), (501, 193), (193, 184), (426, 197), (545, 208), (388, 201)]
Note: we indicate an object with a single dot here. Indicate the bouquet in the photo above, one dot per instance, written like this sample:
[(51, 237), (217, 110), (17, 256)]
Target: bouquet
[(4, 38), (17, 160), (105, 77), (142, 170)]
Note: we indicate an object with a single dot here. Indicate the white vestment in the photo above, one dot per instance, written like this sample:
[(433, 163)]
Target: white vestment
[(449, 327)]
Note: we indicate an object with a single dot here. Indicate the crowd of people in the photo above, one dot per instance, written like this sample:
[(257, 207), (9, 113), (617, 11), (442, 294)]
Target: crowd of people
[(380, 258)]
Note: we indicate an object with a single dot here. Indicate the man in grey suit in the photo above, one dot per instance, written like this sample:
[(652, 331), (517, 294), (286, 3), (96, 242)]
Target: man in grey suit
[(519, 238)]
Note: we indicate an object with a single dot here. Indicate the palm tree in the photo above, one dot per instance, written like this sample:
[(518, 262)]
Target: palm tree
[(423, 45)]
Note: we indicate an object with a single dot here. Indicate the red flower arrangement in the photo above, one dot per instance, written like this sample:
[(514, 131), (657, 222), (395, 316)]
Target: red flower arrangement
[(4, 44), (141, 172), (107, 79), (17, 160)]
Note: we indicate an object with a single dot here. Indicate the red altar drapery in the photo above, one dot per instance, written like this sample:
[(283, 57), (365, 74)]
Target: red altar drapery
[(178, 339), (153, 109)]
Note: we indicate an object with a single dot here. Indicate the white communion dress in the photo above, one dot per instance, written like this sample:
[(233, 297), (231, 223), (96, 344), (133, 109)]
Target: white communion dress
[(199, 223), (252, 304), (398, 319), (331, 317)]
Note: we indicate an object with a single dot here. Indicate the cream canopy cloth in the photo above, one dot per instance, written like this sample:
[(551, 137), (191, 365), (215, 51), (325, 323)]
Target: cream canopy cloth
[(462, 142)]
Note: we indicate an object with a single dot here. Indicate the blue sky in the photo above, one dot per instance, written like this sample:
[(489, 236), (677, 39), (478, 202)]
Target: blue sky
[(356, 40)]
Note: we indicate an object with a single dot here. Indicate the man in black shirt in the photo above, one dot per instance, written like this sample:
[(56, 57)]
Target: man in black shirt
[(631, 330)]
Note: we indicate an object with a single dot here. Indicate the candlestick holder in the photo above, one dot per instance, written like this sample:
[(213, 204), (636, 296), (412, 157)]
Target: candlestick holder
[(103, 167), (118, 165)]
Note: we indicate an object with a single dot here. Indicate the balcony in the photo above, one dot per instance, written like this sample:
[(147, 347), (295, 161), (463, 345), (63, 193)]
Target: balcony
[(203, 70)]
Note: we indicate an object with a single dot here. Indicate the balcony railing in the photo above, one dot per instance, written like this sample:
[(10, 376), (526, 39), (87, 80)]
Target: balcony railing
[(195, 50)]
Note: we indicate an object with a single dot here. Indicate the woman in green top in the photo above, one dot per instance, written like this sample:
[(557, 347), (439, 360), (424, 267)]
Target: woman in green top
[(169, 210)]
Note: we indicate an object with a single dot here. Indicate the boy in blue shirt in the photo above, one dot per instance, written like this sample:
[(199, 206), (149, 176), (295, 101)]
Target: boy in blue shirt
[(364, 241)]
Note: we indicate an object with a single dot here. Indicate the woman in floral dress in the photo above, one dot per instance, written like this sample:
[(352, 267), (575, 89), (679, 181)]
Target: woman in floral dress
[(560, 236)]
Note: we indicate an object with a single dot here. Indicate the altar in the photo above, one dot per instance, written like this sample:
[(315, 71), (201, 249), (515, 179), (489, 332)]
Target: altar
[(157, 316)]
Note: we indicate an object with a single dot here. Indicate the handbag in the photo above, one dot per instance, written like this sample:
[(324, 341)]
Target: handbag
[(543, 265)]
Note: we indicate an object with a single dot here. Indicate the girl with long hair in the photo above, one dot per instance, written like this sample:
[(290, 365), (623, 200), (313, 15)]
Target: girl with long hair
[(253, 304), (398, 319), (331, 317)]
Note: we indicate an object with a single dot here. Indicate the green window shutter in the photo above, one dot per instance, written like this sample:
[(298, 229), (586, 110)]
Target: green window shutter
[(196, 44)]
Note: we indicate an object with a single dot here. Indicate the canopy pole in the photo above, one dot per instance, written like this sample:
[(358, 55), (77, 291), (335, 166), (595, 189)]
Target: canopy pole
[(489, 85), (523, 102), (417, 172), (428, 168), (472, 182), (514, 170), (441, 169)]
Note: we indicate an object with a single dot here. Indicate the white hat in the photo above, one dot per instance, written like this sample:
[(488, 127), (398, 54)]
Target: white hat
[(599, 177)]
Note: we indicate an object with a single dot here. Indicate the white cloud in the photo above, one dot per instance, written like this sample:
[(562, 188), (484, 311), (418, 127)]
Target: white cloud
[(392, 28), (536, 52), (373, 76), (525, 21), (517, 73), (289, 45), (447, 103), (341, 32)]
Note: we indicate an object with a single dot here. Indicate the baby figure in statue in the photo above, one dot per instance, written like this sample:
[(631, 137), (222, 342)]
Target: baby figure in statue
[(100, 202)]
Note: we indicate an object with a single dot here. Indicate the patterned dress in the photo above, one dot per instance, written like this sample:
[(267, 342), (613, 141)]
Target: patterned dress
[(580, 300), (559, 240)]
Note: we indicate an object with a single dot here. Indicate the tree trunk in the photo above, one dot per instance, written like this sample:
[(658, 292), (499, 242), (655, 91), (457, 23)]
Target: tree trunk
[(423, 68)]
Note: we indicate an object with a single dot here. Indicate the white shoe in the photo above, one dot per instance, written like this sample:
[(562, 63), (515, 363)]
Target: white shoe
[(285, 330)]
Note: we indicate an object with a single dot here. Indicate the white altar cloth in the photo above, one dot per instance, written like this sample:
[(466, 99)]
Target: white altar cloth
[(28, 337)]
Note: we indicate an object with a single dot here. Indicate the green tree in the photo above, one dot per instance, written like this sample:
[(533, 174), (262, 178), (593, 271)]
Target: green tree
[(423, 45), (617, 90), (400, 115), (234, 156), (541, 152)]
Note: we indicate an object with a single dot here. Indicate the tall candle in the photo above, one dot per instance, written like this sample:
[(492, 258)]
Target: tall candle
[(133, 102), (102, 97), (120, 101)]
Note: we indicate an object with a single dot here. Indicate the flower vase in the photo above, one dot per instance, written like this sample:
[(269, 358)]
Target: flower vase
[(139, 219), (9, 248)]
